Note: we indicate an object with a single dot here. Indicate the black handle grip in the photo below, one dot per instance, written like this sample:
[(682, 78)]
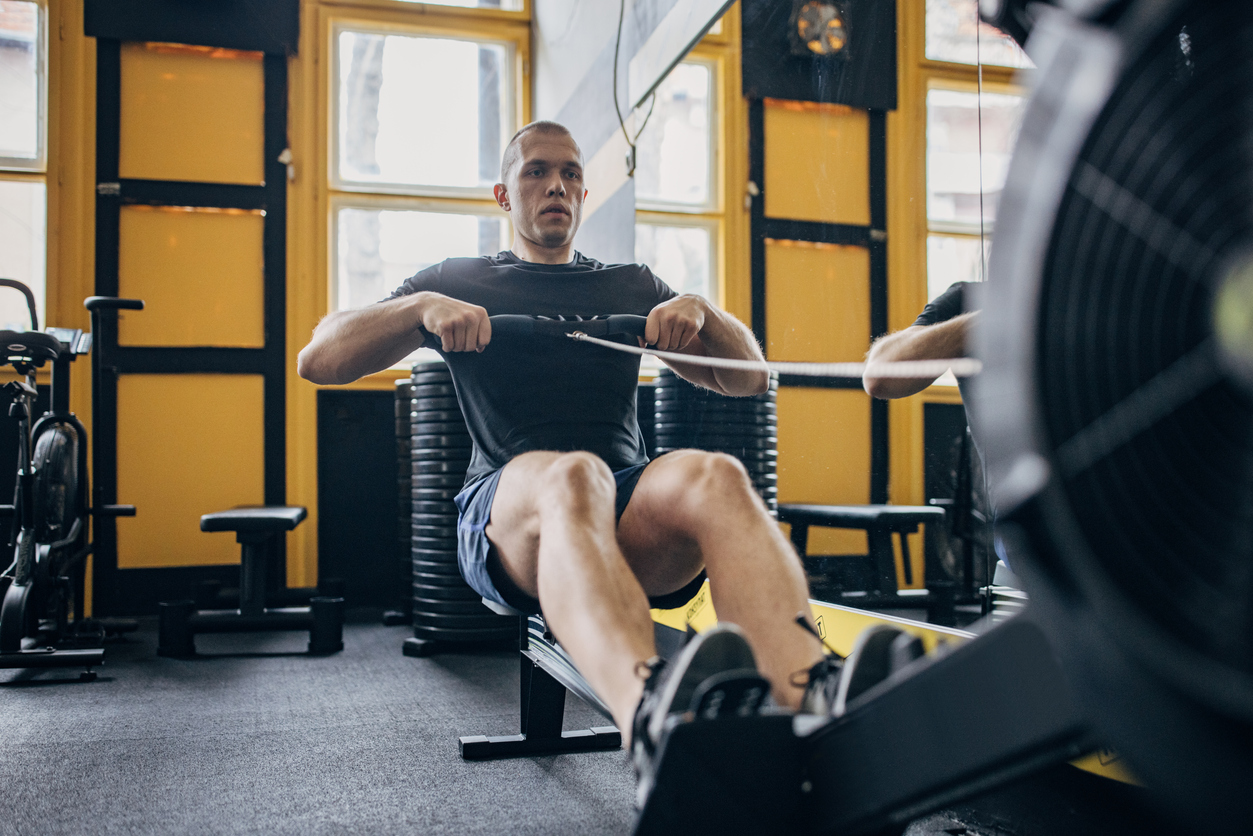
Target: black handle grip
[(600, 326), (114, 510), (105, 303)]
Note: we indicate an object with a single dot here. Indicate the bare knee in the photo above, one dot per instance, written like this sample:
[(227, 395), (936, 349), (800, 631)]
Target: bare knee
[(574, 480), (714, 483)]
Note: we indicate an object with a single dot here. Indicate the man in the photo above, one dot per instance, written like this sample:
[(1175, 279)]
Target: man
[(941, 332), (562, 511)]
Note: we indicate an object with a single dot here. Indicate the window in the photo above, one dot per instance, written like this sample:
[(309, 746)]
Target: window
[(23, 156), (955, 34), (676, 225), (420, 121)]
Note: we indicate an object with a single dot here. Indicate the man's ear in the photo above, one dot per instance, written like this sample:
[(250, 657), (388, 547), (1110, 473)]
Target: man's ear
[(502, 196)]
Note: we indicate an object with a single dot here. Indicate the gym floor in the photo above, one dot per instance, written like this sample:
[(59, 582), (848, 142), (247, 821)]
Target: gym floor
[(256, 737)]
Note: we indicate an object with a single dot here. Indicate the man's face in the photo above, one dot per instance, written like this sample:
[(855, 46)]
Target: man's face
[(544, 193)]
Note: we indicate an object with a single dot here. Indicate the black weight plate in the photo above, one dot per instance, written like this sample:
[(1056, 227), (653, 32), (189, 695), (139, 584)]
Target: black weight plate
[(430, 416), (741, 454), (432, 507), (434, 390), (427, 605), (434, 532), (434, 468), (454, 454), (438, 480), (441, 442), (508, 631), (432, 579), (719, 442), (436, 554), (435, 567), (434, 544), (445, 593), (751, 428), (418, 428), (424, 404), (460, 622), (434, 494), (751, 406), (448, 520)]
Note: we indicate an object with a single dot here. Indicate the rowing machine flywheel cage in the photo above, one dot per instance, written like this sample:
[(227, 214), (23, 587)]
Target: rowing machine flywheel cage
[(1115, 409)]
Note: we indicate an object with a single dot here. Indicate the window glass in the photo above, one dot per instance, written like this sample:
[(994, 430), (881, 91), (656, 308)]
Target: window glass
[(422, 111), (951, 258), (954, 153), (955, 34), (674, 152), (22, 257), (681, 256), (20, 82), (377, 249)]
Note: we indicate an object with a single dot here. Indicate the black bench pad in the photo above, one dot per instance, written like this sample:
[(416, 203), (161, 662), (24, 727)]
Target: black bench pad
[(255, 518), (860, 516)]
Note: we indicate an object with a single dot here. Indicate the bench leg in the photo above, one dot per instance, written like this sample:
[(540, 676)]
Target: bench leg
[(543, 704), (883, 560)]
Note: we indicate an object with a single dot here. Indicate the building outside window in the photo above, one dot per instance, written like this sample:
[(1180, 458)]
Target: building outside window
[(420, 122), (23, 156), (677, 222), (973, 114)]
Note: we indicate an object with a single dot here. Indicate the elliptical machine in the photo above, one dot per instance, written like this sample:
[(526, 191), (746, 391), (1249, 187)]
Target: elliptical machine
[(42, 622)]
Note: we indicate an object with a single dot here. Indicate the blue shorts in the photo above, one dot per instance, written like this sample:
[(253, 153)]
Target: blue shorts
[(480, 564)]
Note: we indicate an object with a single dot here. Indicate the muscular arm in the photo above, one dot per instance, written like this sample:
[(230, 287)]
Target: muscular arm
[(348, 345), (942, 341), (691, 325)]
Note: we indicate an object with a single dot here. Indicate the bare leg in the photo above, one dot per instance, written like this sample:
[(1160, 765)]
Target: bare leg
[(691, 506), (553, 526)]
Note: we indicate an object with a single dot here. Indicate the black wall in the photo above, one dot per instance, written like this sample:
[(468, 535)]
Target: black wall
[(357, 493)]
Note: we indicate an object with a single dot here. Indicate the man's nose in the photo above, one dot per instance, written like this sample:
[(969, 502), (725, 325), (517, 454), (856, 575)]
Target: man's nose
[(556, 187)]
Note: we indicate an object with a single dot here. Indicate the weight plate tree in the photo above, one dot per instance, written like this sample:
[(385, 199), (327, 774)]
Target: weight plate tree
[(1115, 409)]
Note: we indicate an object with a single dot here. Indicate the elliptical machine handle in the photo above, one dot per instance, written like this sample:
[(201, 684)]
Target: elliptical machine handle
[(30, 300)]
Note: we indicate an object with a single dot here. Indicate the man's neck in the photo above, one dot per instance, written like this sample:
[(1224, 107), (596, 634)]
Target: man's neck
[(530, 251)]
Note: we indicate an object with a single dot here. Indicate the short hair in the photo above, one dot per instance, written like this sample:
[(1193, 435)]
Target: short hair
[(513, 151)]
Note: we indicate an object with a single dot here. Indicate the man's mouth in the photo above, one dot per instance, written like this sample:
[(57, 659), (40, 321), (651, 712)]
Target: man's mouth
[(556, 211)]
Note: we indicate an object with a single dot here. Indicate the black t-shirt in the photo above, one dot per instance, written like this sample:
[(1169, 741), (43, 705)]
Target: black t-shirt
[(545, 393), (945, 306)]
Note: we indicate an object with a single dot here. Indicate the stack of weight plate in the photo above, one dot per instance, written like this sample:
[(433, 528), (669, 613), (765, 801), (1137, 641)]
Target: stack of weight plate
[(446, 611), (688, 416), (398, 613), (645, 402)]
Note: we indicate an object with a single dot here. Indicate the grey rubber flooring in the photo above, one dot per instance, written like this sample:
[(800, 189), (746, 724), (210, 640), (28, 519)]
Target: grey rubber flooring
[(263, 739)]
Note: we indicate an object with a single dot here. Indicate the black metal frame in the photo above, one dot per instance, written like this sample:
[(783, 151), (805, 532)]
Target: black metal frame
[(873, 237), (125, 591)]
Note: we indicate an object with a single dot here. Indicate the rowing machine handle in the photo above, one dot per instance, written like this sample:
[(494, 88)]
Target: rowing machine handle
[(601, 326), (114, 510), (105, 303)]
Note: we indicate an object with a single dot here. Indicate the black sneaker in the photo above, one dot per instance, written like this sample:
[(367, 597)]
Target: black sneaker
[(715, 675), (822, 683)]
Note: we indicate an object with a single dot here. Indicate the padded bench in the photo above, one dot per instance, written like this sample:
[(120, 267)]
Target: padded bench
[(879, 522), (256, 529)]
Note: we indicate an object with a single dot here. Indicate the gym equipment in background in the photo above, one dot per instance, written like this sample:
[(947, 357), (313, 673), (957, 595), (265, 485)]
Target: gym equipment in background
[(1115, 409), (257, 529), (447, 613), (689, 417), (42, 622)]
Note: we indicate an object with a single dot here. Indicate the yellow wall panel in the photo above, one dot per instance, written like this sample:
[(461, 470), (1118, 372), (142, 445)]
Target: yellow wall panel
[(192, 113), (187, 445), (817, 302), (199, 272), (817, 162), (824, 457)]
